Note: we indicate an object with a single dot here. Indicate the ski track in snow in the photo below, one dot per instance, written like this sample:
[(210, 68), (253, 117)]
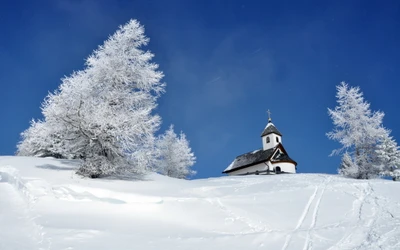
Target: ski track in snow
[(246, 221), (20, 229), (316, 199), (368, 224), (309, 243), (253, 227), (302, 218), (374, 239), (371, 237), (357, 210)]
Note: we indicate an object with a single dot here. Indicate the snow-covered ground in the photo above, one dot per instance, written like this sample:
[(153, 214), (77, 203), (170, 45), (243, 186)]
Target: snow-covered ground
[(44, 205)]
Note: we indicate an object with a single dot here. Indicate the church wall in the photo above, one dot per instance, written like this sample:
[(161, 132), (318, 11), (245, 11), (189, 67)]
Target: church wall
[(286, 167), (259, 167)]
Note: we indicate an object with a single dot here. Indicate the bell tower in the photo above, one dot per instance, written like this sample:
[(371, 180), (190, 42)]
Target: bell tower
[(270, 136)]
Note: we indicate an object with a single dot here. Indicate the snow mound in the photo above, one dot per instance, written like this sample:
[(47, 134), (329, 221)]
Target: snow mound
[(44, 205)]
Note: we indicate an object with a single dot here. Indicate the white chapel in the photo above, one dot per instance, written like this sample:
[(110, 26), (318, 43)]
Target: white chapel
[(271, 159)]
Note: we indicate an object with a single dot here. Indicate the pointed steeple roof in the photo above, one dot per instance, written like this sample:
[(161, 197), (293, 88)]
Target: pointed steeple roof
[(270, 128)]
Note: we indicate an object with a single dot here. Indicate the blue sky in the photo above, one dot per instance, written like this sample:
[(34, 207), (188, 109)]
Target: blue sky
[(225, 64)]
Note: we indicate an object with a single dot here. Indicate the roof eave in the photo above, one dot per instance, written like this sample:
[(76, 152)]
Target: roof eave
[(253, 163), (245, 166)]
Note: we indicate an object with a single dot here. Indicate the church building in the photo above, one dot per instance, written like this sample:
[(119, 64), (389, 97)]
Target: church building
[(271, 159)]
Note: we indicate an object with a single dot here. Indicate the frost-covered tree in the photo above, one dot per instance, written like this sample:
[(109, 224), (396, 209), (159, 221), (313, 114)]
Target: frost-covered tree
[(395, 174), (175, 155), (388, 153), (66, 110), (359, 130), (103, 113), (40, 140), (348, 167)]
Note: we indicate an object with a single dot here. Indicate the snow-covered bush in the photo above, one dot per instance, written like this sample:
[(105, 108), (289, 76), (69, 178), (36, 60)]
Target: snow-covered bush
[(175, 157)]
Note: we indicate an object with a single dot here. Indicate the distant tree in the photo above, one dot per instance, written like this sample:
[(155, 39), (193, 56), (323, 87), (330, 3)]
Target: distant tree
[(175, 155), (388, 153), (359, 130), (103, 113), (348, 167)]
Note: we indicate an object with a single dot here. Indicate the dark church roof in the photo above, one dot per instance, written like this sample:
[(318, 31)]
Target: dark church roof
[(256, 157), (269, 129)]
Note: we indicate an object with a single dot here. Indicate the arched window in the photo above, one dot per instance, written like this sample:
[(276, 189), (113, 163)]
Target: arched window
[(277, 139), (267, 139), (278, 170)]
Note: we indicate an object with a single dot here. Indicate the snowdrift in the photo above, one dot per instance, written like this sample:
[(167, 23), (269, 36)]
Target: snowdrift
[(44, 205)]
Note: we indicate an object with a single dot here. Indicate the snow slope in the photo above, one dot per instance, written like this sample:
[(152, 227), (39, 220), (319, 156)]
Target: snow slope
[(44, 205)]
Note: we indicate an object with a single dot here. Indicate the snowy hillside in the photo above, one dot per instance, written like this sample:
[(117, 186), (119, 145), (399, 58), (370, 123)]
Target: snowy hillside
[(44, 205)]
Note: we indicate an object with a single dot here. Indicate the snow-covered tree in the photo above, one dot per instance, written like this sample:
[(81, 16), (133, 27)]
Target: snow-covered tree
[(388, 153), (40, 140), (348, 167), (359, 130), (104, 112), (175, 155), (395, 174)]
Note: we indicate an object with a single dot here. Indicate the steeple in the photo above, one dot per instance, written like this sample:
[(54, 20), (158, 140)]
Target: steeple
[(269, 115), (271, 135), (270, 128)]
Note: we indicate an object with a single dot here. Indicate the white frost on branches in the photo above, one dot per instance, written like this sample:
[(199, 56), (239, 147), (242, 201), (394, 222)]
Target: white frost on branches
[(103, 113), (388, 154), (41, 140), (368, 149), (175, 155)]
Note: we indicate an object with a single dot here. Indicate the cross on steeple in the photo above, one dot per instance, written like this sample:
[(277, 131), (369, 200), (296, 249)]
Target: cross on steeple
[(269, 115)]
